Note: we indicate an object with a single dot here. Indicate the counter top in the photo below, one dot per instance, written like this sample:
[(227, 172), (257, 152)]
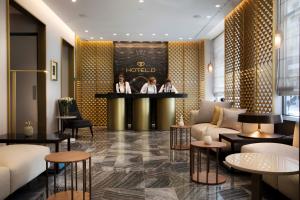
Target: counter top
[(134, 96)]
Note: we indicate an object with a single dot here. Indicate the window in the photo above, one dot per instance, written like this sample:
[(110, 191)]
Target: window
[(291, 105), (218, 61), (289, 57)]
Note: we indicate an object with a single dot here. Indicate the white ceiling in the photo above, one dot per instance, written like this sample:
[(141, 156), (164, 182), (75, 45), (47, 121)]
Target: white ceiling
[(102, 18)]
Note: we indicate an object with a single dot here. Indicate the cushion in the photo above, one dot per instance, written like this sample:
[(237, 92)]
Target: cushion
[(25, 162), (215, 131), (4, 183), (230, 118), (289, 186), (296, 136), (206, 110), (216, 115), (199, 130)]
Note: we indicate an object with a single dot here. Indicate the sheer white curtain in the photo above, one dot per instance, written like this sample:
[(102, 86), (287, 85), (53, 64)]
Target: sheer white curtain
[(218, 63), (289, 57)]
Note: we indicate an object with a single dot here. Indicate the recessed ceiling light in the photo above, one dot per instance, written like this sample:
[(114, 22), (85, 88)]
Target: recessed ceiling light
[(218, 6), (101, 38), (141, 1), (141, 34), (114, 34), (208, 16), (86, 31), (91, 38), (180, 38), (166, 34), (190, 38), (127, 34), (153, 34), (74, 1)]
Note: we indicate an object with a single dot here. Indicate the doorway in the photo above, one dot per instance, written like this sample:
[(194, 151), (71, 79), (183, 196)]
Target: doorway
[(67, 70), (27, 69)]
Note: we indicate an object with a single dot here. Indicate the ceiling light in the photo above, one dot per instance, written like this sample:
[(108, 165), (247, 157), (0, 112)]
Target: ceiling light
[(86, 31), (153, 34), (190, 38), (218, 6), (180, 38), (74, 1), (141, 1), (127, 34), (210, 67), (166, 34), (208, 16), (91, 38), (140, 34), (114, 34), (277, 40), (101, 38)]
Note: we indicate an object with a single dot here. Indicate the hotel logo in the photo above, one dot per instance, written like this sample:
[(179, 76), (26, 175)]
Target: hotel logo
[(141, 67)]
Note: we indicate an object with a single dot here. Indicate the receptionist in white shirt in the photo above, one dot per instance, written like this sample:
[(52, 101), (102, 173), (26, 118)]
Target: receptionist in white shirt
[(123, 86), (168, 87), (150, 87)]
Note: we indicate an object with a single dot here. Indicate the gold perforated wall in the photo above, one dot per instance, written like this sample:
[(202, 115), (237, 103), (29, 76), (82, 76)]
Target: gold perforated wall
[(184, 71), (248, 55), (94, 73)]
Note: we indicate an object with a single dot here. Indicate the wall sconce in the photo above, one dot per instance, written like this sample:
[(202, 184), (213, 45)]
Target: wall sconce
[(277, 40), (210, 67)]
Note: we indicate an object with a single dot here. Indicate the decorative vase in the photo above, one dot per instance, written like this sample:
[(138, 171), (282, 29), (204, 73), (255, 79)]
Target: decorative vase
[(207, 139), (28, 131), (181, 122), (66, 110)]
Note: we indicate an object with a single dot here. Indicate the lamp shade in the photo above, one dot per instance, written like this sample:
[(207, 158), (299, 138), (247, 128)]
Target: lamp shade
[(260, 118)]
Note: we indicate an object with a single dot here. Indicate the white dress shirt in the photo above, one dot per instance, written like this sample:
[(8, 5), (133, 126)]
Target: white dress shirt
[(123, 88), (169, 88), (149, 89)]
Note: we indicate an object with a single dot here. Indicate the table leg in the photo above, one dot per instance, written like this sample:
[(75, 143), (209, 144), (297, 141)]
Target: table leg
[(256, 193), (217, 166), (171, 133), (207, 165), (69, 144), (58, 125), (180, 138), (65, 174), (76, 188), (84, 178), (47, 189), (198, 164), (90, 177), (72, 186)]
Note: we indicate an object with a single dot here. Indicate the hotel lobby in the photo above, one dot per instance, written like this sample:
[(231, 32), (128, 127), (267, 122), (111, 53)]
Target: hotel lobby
[(149, 99)]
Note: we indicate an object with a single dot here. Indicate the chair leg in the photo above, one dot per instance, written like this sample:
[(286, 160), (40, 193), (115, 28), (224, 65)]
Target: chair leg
[(76, 132), (72, 132), (91, 128)]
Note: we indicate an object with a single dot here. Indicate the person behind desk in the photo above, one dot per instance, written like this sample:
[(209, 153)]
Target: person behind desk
[(168, 87), (150, 87), (123, 86)]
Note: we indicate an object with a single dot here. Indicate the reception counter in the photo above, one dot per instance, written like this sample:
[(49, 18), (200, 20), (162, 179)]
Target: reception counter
[(165, 109)]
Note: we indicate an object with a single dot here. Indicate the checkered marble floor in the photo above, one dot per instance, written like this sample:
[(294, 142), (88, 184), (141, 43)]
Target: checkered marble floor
[(132, 165)]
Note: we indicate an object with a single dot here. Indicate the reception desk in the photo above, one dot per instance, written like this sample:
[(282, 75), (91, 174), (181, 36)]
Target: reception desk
[(165, 109)]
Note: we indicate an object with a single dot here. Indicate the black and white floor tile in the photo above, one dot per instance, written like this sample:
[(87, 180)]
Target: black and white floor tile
[(140, 166)]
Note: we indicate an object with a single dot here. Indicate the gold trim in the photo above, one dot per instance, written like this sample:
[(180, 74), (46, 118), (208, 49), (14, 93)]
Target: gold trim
[(29, 70), (166, 113), (14, 102), (141, 114), (8, 64), (116, 114)]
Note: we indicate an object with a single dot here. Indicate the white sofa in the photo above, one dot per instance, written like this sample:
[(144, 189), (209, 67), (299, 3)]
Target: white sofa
[(287, 185), (201, 122), (19, 164)]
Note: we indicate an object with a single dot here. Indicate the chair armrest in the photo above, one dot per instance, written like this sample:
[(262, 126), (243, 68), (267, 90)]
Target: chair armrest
[(194, 117)]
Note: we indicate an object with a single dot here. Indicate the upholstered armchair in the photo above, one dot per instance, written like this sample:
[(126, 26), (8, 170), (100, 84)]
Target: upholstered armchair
[(76, 123)]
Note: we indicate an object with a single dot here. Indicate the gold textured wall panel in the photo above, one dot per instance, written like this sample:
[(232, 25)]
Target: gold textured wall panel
[(184, 71), (248, 55), (201, 70), (94, 73)]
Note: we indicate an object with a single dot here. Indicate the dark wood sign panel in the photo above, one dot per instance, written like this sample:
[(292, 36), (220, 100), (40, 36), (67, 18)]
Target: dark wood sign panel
[(140, 60)]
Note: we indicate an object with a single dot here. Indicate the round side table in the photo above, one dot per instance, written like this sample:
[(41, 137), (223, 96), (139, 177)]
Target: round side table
[(180, 137), (206, 176), (71, 158)]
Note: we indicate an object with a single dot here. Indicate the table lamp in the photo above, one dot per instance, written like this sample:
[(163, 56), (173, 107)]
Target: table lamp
[(259, 118)]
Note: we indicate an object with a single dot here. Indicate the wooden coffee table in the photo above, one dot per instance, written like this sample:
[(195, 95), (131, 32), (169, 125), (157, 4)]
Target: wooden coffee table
[(206, 176), (180, 137), (262, 164), (71, 158)]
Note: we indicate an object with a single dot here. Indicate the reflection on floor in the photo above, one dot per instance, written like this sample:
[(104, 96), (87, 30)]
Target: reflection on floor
[(139, 165)]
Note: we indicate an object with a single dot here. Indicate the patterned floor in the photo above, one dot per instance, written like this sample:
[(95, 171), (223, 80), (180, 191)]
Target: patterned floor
[(140, 166)]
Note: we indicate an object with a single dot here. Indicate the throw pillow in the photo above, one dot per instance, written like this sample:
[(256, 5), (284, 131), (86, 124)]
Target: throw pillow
[(230, 118), (216, 115), (206, 110), (219, 123)]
